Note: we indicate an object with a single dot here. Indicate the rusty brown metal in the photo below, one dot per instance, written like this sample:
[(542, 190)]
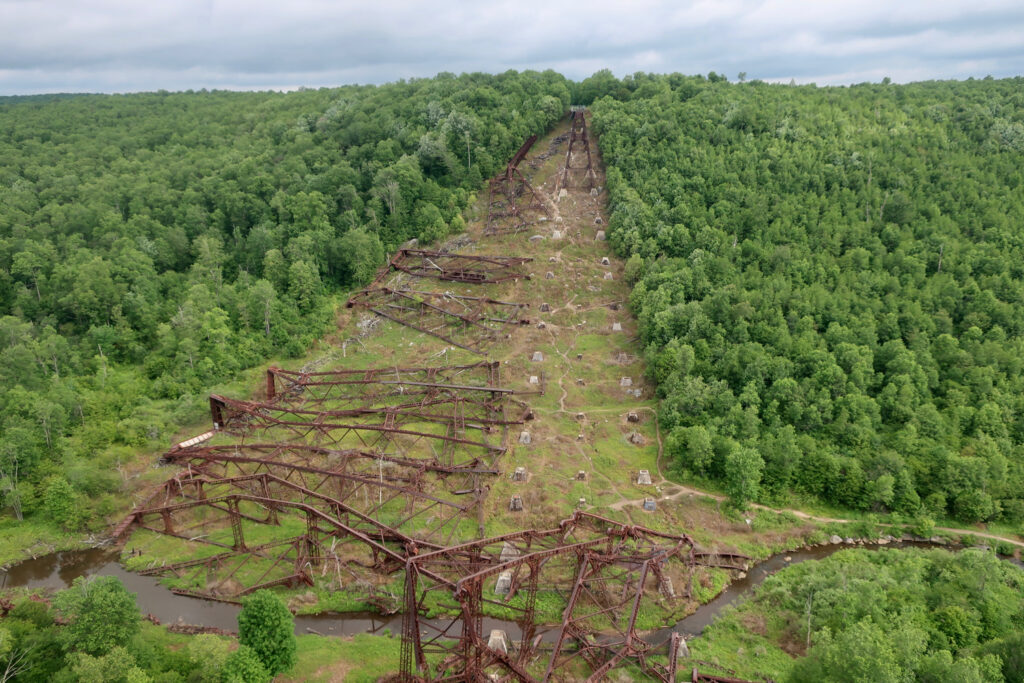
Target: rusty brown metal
[(513, 204), (477, 321), (375, 481), (386, 386), (603, 570), (465, 268), (580, 139), (450, 431)]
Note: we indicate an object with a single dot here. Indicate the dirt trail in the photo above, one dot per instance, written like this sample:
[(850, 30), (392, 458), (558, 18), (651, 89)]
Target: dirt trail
[(679, 490)]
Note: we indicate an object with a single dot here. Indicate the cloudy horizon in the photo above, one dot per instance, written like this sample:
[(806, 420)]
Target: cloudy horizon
[(121, 46)]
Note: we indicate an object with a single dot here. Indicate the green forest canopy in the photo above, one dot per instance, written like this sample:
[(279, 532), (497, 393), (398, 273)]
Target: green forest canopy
[(828, 280), (153, 244), (829, 284), (886, 615)]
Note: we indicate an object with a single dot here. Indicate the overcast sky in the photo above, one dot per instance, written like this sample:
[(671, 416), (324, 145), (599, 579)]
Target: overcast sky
[(133, 45)]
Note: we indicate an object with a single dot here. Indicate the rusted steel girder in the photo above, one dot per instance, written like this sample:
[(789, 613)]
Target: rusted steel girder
[(466, 268), (403, 499), (218, 513), (413, 430), (512, 202), (580, 138), (384, 386), (477, 320), (602, 569), (518, 157), (697, 677)]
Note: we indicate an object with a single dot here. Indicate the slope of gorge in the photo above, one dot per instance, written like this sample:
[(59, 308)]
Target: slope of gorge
[(829, 287), (461, 459)]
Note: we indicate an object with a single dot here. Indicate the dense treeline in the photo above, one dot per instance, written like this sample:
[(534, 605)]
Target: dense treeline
[(892, 615), (94, 632), (829, 284), (153, 244)]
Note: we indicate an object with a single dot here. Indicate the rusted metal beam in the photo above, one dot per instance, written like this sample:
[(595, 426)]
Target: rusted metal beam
[(478, 319), (512, 202), (520, 154), (579, 138), (604, 570), (465, 268)]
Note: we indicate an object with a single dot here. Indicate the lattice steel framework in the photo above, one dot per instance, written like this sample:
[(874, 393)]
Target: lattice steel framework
[(579, 139), (476, 321), (466, 268), (604, 570), (385, 386), (449, 430), (512, 202)]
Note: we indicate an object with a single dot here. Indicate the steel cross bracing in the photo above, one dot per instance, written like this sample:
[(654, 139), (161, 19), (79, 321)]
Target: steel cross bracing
[(334, 540), (385, 386), (476, 321), (580, 139), (512, 202), (603, 570), (224, 492), (449, 430), (466, 268), (426, 500)]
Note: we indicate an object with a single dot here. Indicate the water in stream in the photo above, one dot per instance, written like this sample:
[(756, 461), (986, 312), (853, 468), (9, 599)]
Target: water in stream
[(58, 570)]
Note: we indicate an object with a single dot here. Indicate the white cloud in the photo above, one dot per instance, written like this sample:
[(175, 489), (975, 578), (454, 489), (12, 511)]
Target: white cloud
[(122, 45)]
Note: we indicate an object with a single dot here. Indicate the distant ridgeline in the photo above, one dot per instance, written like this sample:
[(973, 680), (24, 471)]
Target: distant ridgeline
[(153, 244), (830, 284)]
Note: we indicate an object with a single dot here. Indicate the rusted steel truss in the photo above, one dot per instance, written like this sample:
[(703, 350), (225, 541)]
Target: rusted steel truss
[(477, 321), (602, 570), (334, 539), (449, 430), (385, 386), (512, 203), (580, 139), (470, 269), (223, 493)]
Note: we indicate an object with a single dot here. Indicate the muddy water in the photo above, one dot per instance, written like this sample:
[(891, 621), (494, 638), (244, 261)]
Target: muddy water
[(695, 624), (58, 570)]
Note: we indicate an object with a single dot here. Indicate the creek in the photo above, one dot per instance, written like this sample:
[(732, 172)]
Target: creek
[(58, 570)]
